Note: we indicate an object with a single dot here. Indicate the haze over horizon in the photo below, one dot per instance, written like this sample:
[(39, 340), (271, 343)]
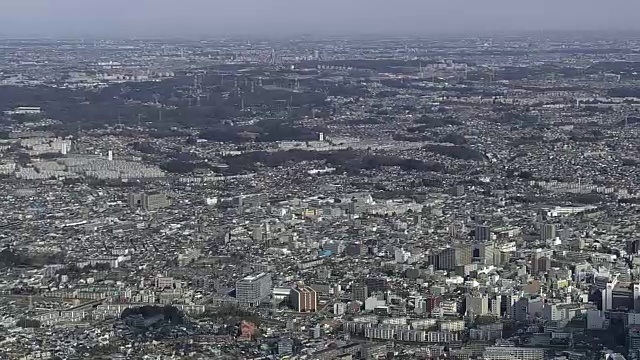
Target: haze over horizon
[(164, 18)]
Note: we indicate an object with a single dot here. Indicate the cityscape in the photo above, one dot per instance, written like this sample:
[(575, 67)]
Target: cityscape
[(339, 197)]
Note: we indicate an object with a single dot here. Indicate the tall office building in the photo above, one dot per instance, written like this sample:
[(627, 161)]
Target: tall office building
[(447, 259), (451, 257), (636, 297), (607, 295), (253, 289), (304, 299), (632, 246), (495, 305), (484, 253), (548, 232), (483, 233), (432, 302), (465, 254), (544, 264), (359, 292), (541, 261), (433, 260), (508, 303), (376, 284)]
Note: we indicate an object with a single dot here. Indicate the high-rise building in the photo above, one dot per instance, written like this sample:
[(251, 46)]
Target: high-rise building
[(495, 306), (154, 201), (447, 259), (451, 257), (477, 304), (485, 252), (458, 190), (634, 339), (457, 230), (359, 292), (483, 233), (636, 297), (432, 302), (261, 233), (401, 255), (335, 247), (339, 308), (552, 312), (508, 302), (304, 299), (356, 249), (544, 264), (465, 254), (607, 296), (135, 200), (352, 209), (632, 246), (548, 232), (420, 305), (541, 261), (316, 332), (253, 289), (434, 260), (376, 284), (148, 202), (622, 297)]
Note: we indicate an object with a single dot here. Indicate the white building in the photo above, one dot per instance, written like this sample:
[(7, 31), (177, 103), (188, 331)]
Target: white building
[(607, 295), (252, 290), (372, 303), (7, 168), (477, 304), (25, 110), (451, 326), (512, 353), (339, 308), (552, 312), (401, 256)]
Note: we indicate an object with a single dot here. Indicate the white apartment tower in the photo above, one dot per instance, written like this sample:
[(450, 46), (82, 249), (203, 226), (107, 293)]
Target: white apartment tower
[(253, 289)]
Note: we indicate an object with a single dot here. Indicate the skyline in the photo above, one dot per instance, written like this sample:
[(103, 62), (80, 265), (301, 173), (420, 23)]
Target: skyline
[(201, 18)]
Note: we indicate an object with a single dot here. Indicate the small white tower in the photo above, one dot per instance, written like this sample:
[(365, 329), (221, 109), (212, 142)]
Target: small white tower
[(321, 137), (110, 155)]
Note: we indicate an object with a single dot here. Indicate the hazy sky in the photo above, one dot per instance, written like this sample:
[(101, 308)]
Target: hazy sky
[(27, 18)]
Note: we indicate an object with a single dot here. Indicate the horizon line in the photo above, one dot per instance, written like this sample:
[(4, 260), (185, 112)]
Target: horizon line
[(305, 34)]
